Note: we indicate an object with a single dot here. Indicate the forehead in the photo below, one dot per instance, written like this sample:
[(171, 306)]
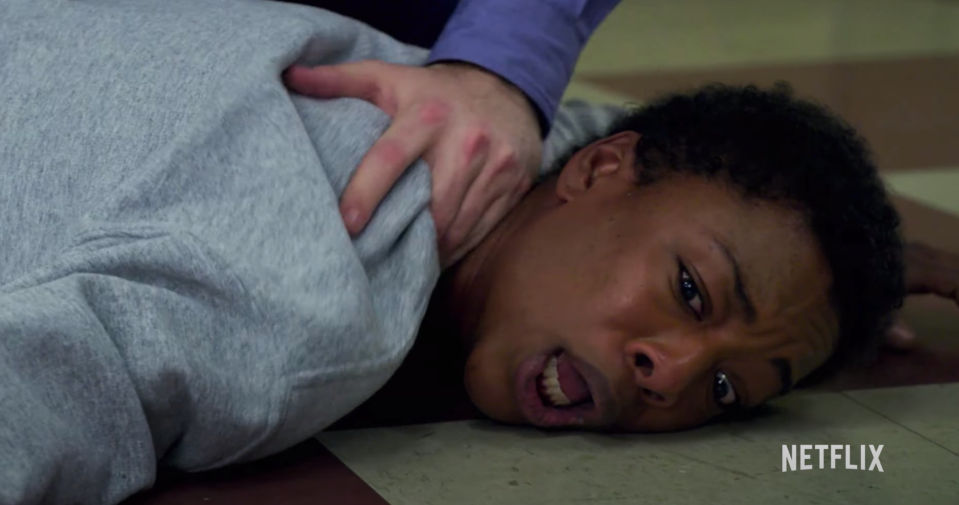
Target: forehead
[(770, 239)]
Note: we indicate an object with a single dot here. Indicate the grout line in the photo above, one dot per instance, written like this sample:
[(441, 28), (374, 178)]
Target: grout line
[(884, 416)]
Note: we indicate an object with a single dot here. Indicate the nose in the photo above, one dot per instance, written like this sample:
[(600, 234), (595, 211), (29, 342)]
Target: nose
[(665, 367)]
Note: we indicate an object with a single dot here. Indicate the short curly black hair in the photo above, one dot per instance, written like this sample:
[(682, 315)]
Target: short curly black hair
[(775, 147)]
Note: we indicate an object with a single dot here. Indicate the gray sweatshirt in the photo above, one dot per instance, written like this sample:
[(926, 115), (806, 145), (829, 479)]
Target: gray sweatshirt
[(177, 287)]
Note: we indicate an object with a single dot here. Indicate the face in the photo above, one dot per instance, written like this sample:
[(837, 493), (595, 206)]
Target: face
[(647, 308)]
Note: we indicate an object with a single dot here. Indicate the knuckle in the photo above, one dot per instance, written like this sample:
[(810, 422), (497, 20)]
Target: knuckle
[(477, 140), (479, 134), (385, 99), (505, 162), (433, 112), (378, 88), (391, 152)]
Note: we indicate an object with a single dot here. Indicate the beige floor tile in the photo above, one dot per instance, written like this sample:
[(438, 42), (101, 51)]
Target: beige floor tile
[(937, 188), (929, 411), (578, 90), (479, 463), (907, 107), (653, 34)]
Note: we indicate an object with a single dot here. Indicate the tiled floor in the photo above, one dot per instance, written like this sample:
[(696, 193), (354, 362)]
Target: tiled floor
[(469, 463), (891, 67)]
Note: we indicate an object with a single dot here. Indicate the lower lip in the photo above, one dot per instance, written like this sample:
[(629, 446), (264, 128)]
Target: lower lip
[(538, 413)]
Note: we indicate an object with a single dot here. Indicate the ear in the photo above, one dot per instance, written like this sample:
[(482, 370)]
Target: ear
[(613, 156)]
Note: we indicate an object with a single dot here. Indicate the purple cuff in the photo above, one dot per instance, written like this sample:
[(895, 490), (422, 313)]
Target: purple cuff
[(534, 44)]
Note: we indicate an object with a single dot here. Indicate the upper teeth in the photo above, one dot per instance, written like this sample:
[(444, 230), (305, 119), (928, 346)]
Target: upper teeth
[(551, 384)]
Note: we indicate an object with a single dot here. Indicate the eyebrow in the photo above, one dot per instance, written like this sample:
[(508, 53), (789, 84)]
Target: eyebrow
[(785, 374), (739, 287)]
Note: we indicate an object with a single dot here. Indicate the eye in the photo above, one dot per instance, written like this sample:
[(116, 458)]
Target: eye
[(690, 292), (724, 392)]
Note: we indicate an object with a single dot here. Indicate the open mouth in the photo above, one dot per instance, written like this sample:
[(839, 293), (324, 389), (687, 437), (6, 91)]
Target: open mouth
[(561, 386), (557, 390)]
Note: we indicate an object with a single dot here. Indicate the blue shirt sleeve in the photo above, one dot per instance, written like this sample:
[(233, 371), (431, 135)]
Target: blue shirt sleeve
[(534, 44)]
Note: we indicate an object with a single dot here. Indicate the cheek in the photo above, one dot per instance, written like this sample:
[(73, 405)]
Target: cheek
[(475, 375), (487, 393), (488, 378)]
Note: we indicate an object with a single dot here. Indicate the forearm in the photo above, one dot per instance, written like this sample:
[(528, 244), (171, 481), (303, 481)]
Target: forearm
[(532, 44)]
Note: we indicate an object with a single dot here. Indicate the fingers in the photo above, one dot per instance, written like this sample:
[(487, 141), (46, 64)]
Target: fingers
[(930, 270), (478, 231), (488, 200), (365, 80), (901, 337), (410, 135), (455, 171), (456, 118)]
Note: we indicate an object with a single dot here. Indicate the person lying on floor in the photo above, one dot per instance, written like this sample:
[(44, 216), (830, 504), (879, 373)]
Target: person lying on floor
[(179, 288), (713, 250)]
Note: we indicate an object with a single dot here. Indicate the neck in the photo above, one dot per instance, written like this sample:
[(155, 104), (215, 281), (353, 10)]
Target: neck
[(464, 287)]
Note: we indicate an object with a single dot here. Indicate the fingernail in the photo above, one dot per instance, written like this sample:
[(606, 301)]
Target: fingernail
[(352, 219)]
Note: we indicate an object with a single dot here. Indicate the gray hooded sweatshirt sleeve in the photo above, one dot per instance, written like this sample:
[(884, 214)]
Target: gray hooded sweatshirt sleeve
[(177, 287)]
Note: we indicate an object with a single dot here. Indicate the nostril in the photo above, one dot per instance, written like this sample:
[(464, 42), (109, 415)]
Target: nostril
[(644, 364)]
